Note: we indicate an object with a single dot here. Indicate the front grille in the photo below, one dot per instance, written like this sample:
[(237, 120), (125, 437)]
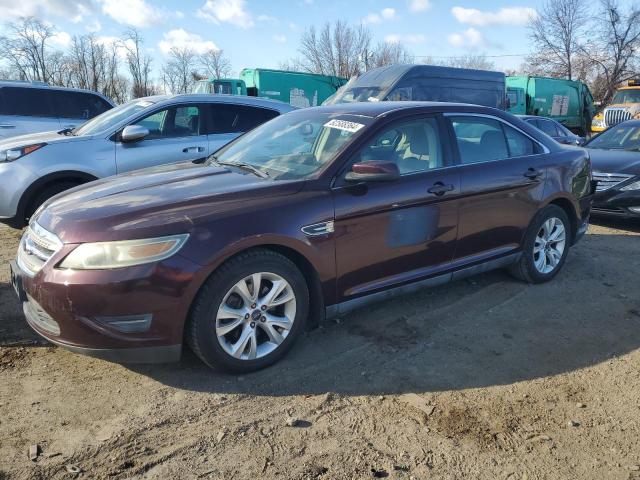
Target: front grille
[(615, 115), (36, 247), (609, 180)]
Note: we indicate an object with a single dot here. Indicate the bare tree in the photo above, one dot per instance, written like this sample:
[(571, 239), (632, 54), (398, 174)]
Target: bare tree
[(26, 49), (215, 64), (337, 49), (476, 62), (179, 73), (615, 53), (556, 34), (139, 63), (387, 53)]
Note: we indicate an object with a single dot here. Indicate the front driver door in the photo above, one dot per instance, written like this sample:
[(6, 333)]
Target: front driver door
[(392, 233), (176, 134)]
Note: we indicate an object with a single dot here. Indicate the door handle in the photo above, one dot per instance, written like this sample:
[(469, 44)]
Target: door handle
[(6, 125), (193, 149), (440, 189), (532, 173)]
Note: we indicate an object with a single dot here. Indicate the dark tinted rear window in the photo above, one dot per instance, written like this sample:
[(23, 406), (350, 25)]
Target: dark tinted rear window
[(78, 104), (548, 127), (227, 118), (31, 102)]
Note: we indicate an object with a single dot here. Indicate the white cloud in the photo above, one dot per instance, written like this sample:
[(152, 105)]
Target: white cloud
[(278, 38), (405, 38), (180, 38), (227, 11), (71, 9), (137, 13), (266, 18), (61, 39), (385, 14), (419, 5), (470, 38), (505, 16)]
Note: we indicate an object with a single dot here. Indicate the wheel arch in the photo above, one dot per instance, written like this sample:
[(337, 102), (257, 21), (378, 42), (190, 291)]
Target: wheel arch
[(570, 209), (50, 179)]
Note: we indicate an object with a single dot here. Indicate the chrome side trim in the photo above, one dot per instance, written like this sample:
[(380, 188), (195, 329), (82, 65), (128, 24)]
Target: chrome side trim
[(318, 229), (492, 117)]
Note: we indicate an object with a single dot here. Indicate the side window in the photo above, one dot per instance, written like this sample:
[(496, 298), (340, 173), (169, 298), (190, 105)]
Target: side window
[(78, 105), (548, 127), (518, 143), (227, 118), (479, 139), (30, 102), (413, 145), (173, 122)]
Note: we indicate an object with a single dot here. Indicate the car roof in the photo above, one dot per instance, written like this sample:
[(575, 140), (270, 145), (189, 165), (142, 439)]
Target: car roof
[(44, 85), (376, 109), (530, 117), (221, 98)]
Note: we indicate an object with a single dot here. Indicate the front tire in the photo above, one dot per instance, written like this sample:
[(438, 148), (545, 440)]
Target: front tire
[(546, 246), (249, 312)]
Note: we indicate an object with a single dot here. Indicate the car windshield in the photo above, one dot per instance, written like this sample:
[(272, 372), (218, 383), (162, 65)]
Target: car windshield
[(293, 146), (620, 137), (112, 117), (626, 96)]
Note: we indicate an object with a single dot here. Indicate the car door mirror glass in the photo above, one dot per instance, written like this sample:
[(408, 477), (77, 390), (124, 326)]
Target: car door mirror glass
[(133, 133), (373, 171)]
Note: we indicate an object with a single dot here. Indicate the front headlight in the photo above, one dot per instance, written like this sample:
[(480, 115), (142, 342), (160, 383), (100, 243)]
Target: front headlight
[(12, 154), (632, 186), (126, 253)]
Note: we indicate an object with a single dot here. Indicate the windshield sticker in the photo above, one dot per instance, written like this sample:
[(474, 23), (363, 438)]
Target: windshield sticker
[(352, 127)]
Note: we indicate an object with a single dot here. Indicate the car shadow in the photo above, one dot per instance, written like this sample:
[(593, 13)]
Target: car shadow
[(483, 331), (629, 224)]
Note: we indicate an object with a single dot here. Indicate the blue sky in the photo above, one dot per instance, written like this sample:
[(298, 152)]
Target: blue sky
[(265, 33)]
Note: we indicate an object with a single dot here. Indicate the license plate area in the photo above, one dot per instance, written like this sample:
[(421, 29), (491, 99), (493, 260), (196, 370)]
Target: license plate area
[(16, 281)]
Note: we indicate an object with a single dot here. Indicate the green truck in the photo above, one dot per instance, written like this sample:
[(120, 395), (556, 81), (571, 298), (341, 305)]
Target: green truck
[(566, 101), (295, 88)]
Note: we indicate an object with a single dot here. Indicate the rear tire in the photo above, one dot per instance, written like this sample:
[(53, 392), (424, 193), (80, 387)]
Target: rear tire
[(234, 327), (546, 246)]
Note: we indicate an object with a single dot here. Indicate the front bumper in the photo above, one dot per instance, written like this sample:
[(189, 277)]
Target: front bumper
[(134, 314), (616, 203)]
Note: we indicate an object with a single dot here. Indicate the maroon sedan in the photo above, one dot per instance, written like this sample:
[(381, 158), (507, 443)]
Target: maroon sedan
[(312, 214)]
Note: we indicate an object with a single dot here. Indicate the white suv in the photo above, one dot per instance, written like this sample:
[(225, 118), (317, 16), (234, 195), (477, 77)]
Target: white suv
[(31, 107), (142, 133)]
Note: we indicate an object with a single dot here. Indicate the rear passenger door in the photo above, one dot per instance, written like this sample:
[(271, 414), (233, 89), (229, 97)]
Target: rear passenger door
[(502, 177), (227, 121), (176, 133), (75, 108), (26, 110)]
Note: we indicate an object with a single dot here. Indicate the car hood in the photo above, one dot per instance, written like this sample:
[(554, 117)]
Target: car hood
[(156, 201), (615, 161), (42, 137)]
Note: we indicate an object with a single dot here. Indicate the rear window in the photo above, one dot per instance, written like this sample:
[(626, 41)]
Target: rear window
[(226, 118), (30, 102), (78, 105)]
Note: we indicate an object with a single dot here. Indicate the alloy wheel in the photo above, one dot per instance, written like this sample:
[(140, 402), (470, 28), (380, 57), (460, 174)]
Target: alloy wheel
[(549, 245), (255, 316)]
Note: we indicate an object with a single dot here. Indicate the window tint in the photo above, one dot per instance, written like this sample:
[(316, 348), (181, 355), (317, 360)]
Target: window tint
[(413, 145), (173, 122), (226, 118), (32, 102), (548, 127), (479, 139), (78, 105), (518, 143)]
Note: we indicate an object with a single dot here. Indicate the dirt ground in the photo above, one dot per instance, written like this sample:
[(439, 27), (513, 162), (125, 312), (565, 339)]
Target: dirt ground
[(485, 378)]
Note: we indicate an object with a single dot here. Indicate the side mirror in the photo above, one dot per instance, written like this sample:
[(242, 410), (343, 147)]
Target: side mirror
[(133, 133), (373, 171)]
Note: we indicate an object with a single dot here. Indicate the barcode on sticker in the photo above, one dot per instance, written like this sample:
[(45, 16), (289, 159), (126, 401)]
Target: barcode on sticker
[(352, 127)]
